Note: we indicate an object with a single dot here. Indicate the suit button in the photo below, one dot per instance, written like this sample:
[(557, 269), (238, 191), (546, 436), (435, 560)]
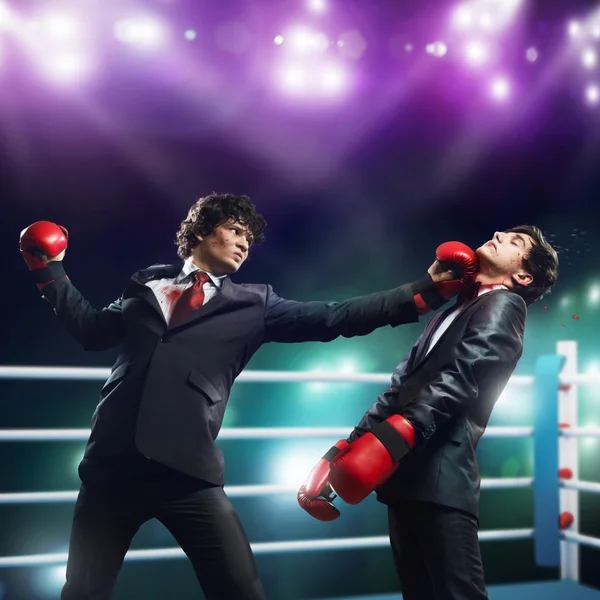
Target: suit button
[(164, 340)]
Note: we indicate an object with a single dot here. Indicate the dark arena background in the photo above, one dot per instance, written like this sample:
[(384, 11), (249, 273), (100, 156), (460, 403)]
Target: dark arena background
[(367, 133)]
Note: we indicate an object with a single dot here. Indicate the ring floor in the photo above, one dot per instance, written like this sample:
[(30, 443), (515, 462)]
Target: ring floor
[(548, 590)]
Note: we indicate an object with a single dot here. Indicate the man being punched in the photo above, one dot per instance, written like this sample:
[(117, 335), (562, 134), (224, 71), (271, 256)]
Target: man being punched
[(416, 445), (185, 332)]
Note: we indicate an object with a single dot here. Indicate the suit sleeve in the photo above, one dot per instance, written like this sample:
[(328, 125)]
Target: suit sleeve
[(93, 329), (492, 344), (386, 404), (291, 321)]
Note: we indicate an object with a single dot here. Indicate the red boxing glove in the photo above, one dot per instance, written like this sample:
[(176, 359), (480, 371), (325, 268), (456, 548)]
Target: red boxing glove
[(43, 237), (460, 256), (371, 460), (314, 496)]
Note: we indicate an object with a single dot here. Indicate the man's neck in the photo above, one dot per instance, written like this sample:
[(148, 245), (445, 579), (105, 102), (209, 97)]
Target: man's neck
[(485, 279)]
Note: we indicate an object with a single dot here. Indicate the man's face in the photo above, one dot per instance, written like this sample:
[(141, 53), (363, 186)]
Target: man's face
[(223, 251), (502, 257)]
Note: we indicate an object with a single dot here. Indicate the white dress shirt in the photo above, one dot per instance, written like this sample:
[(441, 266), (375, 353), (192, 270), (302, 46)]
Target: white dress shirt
[(164, 288), (441, 328)]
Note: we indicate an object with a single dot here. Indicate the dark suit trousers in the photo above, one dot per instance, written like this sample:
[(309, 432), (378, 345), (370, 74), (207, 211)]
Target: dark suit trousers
[(115, 500), (436, 552)]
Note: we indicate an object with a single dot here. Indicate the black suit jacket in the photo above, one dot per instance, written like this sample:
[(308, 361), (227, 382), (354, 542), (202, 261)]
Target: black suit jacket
[(448, 396), (168, 390)]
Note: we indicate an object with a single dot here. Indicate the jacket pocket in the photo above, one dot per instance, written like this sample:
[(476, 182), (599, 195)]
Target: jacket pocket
[(201, 383), (115, 377)]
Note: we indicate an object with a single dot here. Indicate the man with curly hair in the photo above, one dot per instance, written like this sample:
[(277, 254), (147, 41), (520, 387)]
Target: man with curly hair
[(185, 334)]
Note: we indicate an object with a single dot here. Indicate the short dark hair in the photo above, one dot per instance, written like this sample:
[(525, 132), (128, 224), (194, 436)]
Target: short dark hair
[(541, 262), (214, 210)]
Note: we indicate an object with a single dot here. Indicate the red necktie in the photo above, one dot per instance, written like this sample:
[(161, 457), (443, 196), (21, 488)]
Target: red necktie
[(190, 301)]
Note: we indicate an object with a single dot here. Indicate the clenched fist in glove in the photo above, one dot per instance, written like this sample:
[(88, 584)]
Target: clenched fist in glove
[(370, 460), (450, 256), (315, 494), (43, 245)]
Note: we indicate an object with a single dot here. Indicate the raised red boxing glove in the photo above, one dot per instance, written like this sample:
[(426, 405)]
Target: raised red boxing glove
[(314, 496), (457, 256), (370, 460), (49, 239)]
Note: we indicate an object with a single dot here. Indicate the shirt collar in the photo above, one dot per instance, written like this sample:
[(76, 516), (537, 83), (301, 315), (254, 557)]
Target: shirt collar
[(189, 267), (484, 289)]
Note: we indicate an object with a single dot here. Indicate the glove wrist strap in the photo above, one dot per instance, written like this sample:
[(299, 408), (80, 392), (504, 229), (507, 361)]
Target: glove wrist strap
[(392, 439), (54, 270)]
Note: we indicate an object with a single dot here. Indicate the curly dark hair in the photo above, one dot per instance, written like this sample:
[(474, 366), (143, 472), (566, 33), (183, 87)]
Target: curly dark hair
[(541, 262), (214, 210)]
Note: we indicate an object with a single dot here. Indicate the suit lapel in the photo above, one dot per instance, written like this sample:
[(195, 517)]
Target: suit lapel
[(429, 332), (137, 288), (426, 339)]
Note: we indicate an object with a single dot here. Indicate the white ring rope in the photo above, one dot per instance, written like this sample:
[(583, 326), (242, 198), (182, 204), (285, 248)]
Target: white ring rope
[(234, 491), (229, 433), (261, 433), (578, 538), (258, 548), (582, 486), (580, 431), (102, 374)]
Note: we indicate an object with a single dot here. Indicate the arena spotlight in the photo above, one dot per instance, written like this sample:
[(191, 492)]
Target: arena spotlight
[(463, 17), (592, 94), (574, 29), (333, 80), (476, 53), (317, 6), (500, 88), (302, 40), (532, 54), (143, 33), (313, 80), (64, 68), (437, 49), (589, 58), (60, 27)]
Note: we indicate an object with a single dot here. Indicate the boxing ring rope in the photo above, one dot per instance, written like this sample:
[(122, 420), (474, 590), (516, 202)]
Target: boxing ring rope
[(565, 387)]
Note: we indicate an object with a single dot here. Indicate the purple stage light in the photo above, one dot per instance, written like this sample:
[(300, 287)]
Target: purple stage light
[(279, 39), (190, 35), (437, 49), (589, 58), (592, 94), (294, 80), (145, 33), (313, 80), (486, 21), (317, 6), (333, 80), (463, 17), (574, 29), (60, 27), (65, 68), (532, 54), (476, 53), (500, 89), (302, 40)]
